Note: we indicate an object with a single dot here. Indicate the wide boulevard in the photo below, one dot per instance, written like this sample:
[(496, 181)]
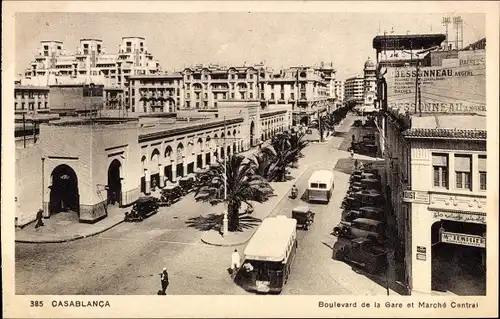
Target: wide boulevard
[(127, 259)]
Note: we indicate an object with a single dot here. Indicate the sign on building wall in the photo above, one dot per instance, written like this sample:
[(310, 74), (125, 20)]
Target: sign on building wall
[(463, 239), (459, 88), (416, 197)]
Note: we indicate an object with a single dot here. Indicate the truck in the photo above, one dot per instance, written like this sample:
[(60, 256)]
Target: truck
[(362, 252)]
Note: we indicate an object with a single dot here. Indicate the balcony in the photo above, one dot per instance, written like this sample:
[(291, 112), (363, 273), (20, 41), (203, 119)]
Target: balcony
[(220, 89)]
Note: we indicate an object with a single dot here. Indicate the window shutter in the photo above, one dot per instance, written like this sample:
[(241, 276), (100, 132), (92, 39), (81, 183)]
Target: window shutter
[(462, 163), (481, 164), (439, 160)]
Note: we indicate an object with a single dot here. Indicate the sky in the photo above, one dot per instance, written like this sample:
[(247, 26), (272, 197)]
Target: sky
[(178, 40)]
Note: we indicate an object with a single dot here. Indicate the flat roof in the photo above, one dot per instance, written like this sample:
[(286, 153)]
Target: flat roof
[(319, 175), (407, 41), (452, 121), (271, 239)]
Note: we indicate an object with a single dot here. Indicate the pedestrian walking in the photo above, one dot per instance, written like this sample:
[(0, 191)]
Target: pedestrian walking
[(235, 261), (39, 221), (356, 164), (164, 281), (352, 153)]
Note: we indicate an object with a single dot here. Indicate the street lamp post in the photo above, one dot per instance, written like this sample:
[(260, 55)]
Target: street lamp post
[(225, 221)]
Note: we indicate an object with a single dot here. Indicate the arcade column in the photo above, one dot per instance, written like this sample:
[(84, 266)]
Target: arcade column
[(421, 261), (161, 171), (174, 171), (203, 160), (147, 178)]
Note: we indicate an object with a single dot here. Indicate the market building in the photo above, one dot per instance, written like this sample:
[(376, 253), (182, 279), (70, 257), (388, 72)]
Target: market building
[(433, 131), (79, 163)]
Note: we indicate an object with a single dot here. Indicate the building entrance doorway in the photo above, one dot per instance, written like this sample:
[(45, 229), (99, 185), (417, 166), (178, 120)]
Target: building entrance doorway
[(180, 170), (199, 161), (115, 183), (168, 172), (252, 134), (457, 265), (64, 195)]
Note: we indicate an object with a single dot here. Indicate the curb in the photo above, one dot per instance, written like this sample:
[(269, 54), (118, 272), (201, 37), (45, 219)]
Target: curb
[(253, 233), (58, 241)]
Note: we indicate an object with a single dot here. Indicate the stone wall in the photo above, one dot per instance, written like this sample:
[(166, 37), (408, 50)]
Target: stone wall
[(28, 183)]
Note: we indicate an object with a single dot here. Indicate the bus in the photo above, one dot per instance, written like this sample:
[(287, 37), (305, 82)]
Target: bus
[(320, 186), (269, 255)]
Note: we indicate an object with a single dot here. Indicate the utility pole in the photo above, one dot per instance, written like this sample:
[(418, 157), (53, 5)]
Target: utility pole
[(24, 129), (225, 222), (417, 85)]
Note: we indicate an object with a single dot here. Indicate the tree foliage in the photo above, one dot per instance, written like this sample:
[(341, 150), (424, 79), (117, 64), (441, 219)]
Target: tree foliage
[(243, 186)]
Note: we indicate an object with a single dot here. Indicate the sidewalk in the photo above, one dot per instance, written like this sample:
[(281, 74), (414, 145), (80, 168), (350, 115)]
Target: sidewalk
[(64, 227), (261, 211)]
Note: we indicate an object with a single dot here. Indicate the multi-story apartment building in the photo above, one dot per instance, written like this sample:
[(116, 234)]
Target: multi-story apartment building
[(308, 89), (155, 93), (31, 100), (339, 93), (354, 88), (435, 151), (53, 65)]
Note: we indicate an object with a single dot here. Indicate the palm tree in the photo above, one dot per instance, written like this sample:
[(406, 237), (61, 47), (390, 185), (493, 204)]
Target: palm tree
[(243, 186), (284, 151), (324, 123), (263, 166)]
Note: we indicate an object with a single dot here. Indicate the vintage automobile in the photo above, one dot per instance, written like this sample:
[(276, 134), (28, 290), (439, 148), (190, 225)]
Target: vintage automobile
[(304, 216), (187, 183), (370, 183), (362, 252), (361, 227), (357, 123), (356, 187), (364, 212), (369, 137), (350, 202), (369, 197), (142, 209), (170, 194)]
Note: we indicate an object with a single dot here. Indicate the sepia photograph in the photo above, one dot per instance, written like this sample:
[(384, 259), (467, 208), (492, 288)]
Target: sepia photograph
[(250, 153)]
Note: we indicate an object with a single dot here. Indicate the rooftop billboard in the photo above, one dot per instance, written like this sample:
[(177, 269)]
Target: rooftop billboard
[(457, 87)]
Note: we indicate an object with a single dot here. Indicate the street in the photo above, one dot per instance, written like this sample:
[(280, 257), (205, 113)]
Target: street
[(127, 259)]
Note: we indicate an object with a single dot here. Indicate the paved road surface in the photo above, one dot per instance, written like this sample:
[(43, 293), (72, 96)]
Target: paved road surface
[(128, 258)]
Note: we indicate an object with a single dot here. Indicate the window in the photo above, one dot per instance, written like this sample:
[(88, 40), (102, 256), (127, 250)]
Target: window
[(292, 96), (440, 168), (251, 95), (282, 96), (314, 185), (322, 186), (272, 96), (22, 106), (482, 172), (463, 171)]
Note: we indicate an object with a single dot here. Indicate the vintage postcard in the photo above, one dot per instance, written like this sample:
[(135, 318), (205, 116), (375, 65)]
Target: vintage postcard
[(249, 159)]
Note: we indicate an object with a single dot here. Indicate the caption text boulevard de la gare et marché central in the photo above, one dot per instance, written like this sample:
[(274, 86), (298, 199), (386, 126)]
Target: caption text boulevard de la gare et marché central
[(396, 305)]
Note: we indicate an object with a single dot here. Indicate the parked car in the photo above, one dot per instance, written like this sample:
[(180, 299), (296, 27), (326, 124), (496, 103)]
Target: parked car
[(187, 183), (360, 227), (370, 183), (369, 197), (142, 209), (350, 202), (369, 137), (364, 212), (170, 194), (361, 251)]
